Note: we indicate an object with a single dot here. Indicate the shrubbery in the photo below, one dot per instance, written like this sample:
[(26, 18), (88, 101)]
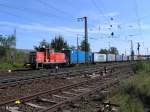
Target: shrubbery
[(6, 66), (134, 95)]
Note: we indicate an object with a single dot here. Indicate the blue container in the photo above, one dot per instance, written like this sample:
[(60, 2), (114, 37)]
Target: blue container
[(77, 56)]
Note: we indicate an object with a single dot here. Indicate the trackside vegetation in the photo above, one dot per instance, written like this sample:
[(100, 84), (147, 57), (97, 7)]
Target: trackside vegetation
[(134, 94), (10, 57)]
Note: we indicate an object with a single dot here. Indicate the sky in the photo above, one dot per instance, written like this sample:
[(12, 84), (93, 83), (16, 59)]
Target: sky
[(35, 20)]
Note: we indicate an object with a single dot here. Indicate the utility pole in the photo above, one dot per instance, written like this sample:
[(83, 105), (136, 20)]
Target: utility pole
[(15, 36), (77, 49), (147, 52), (86, 36), (109, 46), (14, 54), (132, 51), (138, 48), (125, 52)]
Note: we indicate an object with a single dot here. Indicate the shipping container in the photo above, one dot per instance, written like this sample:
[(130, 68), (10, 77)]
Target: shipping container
[(135, 58), (129, 58), (111, 57), (125, 58), (132, 58), (142, 57), (77, 56), (97, 57), (118, 57)]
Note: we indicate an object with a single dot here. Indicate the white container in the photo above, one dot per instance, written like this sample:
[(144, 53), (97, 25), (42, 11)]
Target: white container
[(99, 57), (125, 58), (110, 57), (118, 57), (135, 57)]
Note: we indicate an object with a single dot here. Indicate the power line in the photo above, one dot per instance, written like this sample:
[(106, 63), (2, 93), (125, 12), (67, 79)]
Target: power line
[(51, 6), (26, 10), (36, 12), (137, 16), (59, 10), (100, 11), (49, 15), (14, 15)]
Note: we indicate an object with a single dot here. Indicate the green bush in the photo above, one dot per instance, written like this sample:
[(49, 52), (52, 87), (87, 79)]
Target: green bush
[(133, 95), (18, 65), (142, 66), (7, 66)]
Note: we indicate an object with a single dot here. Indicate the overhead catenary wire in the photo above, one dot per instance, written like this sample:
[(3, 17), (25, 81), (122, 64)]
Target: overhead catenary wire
[(26, 10), (37, 12), (137, 16), (100, 11), (48, 5), (108, 21), (33, 12), (49, 14)]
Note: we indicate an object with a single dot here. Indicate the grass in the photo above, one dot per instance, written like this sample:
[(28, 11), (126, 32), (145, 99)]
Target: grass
[(7, 66), (134, 94)]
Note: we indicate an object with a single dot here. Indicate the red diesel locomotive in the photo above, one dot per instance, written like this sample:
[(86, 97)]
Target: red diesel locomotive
[(41, 59)]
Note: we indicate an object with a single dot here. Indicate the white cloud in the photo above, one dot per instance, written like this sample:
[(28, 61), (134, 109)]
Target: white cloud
[(111, 14), (39, 27), (34, 27), (103, 29)]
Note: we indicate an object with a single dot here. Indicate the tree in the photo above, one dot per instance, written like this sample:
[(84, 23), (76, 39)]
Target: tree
[(104, 51), (8, 41), (43, 45), (113, 50), (2, 52), (82, 46), (58, 43), (7, 47)]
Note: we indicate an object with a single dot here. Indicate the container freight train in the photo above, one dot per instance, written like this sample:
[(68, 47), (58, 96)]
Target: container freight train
[(49, 59)]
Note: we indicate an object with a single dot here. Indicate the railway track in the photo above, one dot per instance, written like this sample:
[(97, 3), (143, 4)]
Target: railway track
[(53, 100), (22, 89), (35, 84), (17, 74), (29, 84), (12, 79)]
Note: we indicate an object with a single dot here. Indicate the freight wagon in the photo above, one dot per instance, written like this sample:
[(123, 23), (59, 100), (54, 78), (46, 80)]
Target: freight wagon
[(135, 57), (97, 57), (111, 57), (49, 58), (77, 56), (119, 58), (125, 58), (142, 57)]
